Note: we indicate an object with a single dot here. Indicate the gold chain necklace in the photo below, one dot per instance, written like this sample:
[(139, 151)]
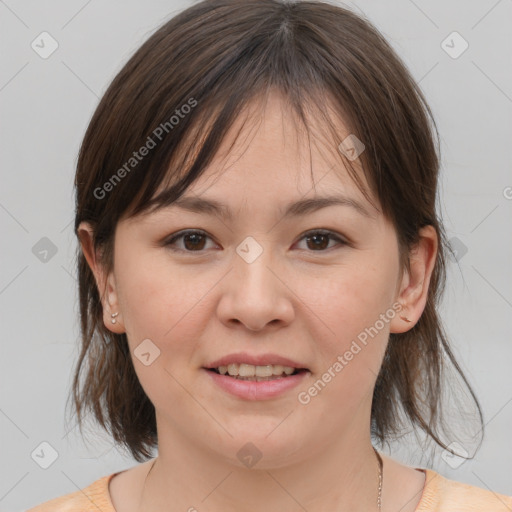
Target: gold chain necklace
[(379, 494)]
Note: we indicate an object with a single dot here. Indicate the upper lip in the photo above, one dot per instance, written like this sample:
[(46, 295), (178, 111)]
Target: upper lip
[(256, 360)]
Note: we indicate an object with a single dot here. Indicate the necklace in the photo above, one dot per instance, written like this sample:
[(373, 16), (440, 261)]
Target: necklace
[(379, 493)]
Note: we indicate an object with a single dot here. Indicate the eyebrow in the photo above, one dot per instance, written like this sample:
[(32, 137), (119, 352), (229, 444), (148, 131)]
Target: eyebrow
[(296, 209)]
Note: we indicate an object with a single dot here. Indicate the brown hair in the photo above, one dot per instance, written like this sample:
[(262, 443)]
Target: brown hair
[(182, 89)]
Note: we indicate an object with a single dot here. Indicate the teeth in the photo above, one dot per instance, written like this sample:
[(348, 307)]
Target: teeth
[(233, 369), (249, 370), (262, 371)]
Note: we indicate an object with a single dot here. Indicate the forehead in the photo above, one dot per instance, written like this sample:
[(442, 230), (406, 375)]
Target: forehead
[(268, 155)]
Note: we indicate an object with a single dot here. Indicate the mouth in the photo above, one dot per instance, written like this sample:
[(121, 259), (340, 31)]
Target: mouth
[(256, 376), (256, 382), (256, 373)]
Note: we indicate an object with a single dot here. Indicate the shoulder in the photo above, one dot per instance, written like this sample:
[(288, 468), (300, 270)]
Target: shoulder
[(90, 499), (444, 495)]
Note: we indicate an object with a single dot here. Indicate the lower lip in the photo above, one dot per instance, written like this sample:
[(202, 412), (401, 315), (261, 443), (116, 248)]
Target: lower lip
[(253, 390)]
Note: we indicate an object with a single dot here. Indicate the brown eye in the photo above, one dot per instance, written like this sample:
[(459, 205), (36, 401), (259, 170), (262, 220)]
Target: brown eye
[(319, 240), (193, 241)]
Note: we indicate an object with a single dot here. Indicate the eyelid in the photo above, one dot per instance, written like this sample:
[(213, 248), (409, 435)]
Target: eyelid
[(323, 231), (175, 236), (342, 241)]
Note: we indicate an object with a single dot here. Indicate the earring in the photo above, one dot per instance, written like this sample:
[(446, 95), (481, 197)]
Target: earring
[(113, 319)]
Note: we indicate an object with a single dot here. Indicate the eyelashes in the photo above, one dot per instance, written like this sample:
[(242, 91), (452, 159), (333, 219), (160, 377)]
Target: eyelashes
[(181, 235), (194, 239)]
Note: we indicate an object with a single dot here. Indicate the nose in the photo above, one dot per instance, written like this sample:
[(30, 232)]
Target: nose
[(256, 294)]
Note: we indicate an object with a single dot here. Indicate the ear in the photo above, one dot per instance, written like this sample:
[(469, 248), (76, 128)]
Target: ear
[(413, 290), (106, 283)]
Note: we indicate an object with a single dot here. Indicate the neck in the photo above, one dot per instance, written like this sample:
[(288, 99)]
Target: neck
[(339, 476)]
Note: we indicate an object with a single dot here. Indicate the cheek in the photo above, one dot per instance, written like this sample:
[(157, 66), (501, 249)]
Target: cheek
[(349, 335), (165, 307), (346, 309), (349, 300), (165, 303)]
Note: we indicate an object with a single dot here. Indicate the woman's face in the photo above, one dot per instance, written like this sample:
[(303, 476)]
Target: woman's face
[(260, 284)]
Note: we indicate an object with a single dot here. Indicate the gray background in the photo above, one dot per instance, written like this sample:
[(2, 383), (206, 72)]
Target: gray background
[(46, 105)]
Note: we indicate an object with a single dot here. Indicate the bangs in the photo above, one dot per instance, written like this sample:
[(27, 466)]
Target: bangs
[(201, 144)]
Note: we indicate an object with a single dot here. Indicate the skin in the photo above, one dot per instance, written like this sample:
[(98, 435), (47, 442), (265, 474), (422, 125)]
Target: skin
[(295, 300)]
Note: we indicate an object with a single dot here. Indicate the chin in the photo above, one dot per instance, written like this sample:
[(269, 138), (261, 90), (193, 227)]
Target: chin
[(265, 445)]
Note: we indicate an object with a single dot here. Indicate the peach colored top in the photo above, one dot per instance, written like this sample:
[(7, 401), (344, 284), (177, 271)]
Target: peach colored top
[(439, 495)]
